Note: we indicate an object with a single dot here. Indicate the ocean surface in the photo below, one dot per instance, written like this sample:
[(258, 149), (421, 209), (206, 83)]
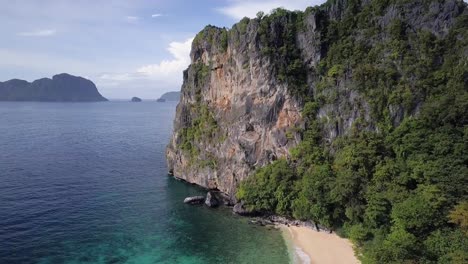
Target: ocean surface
[(87, 183)]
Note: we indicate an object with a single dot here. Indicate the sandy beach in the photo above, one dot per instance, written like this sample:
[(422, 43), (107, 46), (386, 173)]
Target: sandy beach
[(310, 246)]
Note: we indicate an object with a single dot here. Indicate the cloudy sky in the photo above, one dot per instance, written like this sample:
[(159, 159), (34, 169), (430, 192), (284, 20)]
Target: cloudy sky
[(127, 47)]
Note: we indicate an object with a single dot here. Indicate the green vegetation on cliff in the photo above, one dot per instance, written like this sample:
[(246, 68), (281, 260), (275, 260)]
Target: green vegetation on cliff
[(203, 126), (395, 186), (283, 50)]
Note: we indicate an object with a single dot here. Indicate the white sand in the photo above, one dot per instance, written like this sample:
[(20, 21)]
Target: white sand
[(312, 247)]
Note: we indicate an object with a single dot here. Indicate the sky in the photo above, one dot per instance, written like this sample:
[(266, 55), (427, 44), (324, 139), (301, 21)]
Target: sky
[(126, 47)]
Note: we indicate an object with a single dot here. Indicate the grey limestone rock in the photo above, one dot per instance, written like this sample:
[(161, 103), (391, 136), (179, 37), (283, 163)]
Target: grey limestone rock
[(211, 200), (194, 200)]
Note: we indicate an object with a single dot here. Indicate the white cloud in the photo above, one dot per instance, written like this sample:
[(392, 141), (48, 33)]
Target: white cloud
[(181, 59), (167, 72), (156, 15), (132, 19), (38, 33), (116, 77), (238, 9)]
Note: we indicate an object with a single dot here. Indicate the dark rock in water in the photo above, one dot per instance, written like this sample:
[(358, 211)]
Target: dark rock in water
[(211, 200), (261, 222), (225, 199), (136, 99), (240, 209), (61, 88), (161, 100), (194, 200)]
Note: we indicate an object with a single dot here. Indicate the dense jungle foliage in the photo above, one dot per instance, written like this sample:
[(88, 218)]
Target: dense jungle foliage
[(399, 190)]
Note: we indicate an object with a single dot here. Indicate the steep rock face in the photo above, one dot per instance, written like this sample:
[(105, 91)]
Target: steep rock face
[(252, 111), (244, 92), (62, 87)]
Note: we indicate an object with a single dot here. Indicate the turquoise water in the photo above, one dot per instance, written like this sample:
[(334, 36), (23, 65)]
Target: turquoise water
[(87, 183)]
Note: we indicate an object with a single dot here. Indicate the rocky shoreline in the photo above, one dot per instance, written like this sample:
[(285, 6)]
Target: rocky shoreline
[(216, 198), (307, 241), (281, 220)]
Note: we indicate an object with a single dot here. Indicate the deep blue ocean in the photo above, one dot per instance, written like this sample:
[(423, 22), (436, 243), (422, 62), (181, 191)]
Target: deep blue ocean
[(87, 183)]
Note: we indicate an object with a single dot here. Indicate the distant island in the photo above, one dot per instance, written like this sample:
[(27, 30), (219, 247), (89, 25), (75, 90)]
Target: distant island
[(170, 97), (61, 88), (136, 99)]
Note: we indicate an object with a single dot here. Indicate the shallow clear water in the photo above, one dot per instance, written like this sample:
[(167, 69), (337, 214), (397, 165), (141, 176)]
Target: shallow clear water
[(87, 183)]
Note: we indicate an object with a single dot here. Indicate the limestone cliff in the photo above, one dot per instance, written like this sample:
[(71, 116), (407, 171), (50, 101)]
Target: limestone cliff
[(243, 117), (244, 92)]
